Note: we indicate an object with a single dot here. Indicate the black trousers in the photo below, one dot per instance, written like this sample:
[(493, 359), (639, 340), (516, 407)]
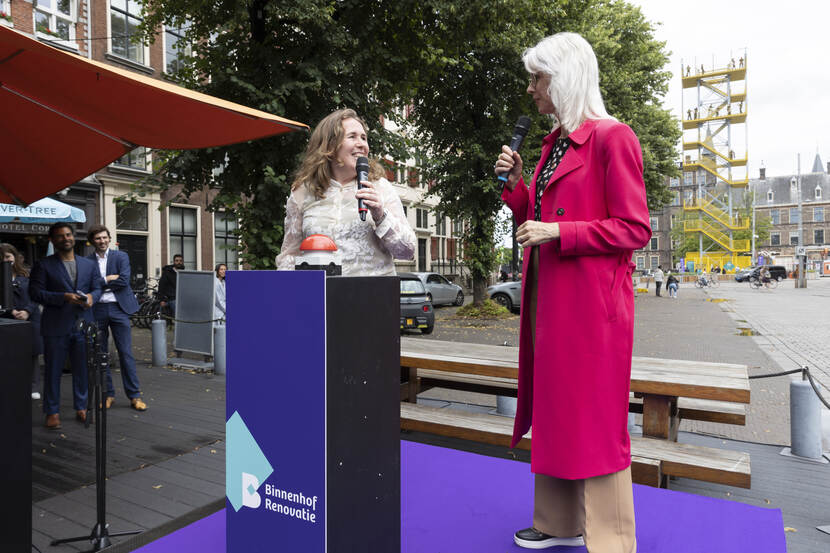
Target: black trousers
[(657, 285)]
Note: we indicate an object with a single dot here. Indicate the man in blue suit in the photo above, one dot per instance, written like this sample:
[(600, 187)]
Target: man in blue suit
[(67, 285), (113, 311)]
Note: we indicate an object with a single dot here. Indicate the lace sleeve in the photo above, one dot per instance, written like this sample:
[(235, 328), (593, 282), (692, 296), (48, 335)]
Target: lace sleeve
[(292, 235), (394, 231)]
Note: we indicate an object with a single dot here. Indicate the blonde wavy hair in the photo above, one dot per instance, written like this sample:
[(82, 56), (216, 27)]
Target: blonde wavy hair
[(315, 170), (574, 83)]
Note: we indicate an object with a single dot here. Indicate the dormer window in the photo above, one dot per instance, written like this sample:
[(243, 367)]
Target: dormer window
[(769, 196), (818, 192)]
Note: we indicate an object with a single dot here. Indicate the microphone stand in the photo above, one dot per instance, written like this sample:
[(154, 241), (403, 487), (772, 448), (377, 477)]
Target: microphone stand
[(96, 360)]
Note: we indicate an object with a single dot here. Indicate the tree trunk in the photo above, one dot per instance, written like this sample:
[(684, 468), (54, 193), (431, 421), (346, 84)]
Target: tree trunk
[(479, 291)]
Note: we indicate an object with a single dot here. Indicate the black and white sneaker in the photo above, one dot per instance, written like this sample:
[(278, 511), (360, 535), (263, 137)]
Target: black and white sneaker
[(531, 538)]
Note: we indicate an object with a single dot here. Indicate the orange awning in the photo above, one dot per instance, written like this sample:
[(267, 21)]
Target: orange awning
[(63, 117)]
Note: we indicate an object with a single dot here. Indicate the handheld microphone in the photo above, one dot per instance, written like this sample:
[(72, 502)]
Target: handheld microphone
[(362, 167), (519, 134)]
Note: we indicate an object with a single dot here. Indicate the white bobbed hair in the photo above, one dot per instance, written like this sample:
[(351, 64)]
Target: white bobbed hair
[(574, 82)]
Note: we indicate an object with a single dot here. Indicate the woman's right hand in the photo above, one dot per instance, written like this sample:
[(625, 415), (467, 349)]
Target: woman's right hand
[(509, 162)]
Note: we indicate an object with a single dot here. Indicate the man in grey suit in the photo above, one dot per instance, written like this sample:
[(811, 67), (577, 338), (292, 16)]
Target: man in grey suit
[(113, 311)]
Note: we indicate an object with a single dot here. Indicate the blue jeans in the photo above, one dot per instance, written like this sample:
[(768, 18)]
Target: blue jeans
[(111, 316), (55, 350)]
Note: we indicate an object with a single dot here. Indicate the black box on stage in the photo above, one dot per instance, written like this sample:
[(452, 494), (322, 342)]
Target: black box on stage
[(16, 434), (363, 398)]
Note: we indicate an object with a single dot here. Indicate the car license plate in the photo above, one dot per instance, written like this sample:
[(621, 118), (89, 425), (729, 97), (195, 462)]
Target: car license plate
[(409, 322)]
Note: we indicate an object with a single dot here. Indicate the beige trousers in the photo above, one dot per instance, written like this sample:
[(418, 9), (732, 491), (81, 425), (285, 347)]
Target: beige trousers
[(600, 508)]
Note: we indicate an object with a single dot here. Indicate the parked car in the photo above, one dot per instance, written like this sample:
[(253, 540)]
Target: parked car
[(440, 290), (778, 272), (508, 294), (416, 309)]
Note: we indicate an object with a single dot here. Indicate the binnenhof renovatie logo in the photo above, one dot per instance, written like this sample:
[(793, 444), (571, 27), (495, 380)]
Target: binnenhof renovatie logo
[(248, 468)]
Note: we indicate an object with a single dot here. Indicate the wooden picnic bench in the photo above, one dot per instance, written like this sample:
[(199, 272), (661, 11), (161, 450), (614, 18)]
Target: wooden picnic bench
[(664, 391)]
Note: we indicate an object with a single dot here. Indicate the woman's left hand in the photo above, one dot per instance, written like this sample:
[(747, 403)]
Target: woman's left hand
[(533, 233), (371, 199), (20, 315)]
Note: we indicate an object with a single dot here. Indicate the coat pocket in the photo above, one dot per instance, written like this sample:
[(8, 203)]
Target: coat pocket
[(604, 287)]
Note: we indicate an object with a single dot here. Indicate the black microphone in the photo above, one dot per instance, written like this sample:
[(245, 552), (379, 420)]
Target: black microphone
[(519, 134), (362, 167)]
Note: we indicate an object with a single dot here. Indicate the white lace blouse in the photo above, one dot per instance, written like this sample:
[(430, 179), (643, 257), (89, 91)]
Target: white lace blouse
[(366, 249)]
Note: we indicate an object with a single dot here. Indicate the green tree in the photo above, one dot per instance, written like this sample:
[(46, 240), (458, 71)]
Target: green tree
[(299, 60), (480, 63)]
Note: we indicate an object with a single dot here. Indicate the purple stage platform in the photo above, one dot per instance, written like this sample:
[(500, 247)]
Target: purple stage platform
[(466, 503)]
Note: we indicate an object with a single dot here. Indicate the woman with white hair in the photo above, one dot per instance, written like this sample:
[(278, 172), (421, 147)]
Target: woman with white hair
[(580, 218)]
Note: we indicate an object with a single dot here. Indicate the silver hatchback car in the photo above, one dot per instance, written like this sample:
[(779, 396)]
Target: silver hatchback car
[(508, 294), (440, 290)]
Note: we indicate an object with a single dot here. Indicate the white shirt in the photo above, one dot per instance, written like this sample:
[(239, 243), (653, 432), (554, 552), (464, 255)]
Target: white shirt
[(106, 297), (658, 275), (366, 249)]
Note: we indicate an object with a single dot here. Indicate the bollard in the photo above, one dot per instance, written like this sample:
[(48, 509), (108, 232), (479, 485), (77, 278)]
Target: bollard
[(506, 406), (805, 420), (159, 342), (219, 349)]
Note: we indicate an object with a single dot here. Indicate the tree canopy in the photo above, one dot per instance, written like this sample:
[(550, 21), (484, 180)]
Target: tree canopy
[(457, 62)]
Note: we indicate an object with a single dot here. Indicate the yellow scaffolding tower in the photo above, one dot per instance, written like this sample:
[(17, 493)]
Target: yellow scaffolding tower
[(710, 136)]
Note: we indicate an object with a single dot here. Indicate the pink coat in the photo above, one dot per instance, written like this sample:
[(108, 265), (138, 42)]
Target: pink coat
[(574, 386)]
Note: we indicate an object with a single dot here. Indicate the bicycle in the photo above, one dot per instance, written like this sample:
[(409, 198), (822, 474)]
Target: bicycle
[(769, 283), (703, 282), (148, 305)]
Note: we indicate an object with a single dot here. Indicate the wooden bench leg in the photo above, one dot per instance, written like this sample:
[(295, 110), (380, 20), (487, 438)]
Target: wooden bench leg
[(660, 417), (412, 385)]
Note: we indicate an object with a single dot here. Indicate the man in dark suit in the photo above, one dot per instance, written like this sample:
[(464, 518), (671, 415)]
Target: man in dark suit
[(113, 312), (67, 285)]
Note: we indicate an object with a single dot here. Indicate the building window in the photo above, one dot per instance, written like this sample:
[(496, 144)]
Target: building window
[(775, 216), (818, 192), (404, 210), (176, 49), (136, 159), (775, 239), (672, 220), (5, 13), (675, 198), (769, 196), (54, 20), (440, 224), (457, 227), (654, 243), (421, 218), (655, 261), (795, 216), (818, 214), (818, 236), (687, 178), (131, 217), (674, 181), (226, 240), (793, 239), (125, 17), (701, 176), (653, 222), (183, 234)]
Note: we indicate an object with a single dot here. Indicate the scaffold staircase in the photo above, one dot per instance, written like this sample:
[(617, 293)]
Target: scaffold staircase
[(710, 128)]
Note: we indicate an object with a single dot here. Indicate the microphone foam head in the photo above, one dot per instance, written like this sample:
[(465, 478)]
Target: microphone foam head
[(362, 164)]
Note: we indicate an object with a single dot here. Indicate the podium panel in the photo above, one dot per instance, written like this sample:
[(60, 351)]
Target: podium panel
[(16, 436), (313, 446)]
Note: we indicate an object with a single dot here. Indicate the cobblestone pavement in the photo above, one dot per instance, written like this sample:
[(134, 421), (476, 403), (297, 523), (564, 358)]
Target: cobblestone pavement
[(791, 325)]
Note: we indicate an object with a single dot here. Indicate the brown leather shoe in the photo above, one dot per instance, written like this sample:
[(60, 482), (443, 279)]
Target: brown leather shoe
[(137, 404), (81, 415), (53, 421), (109, 401)]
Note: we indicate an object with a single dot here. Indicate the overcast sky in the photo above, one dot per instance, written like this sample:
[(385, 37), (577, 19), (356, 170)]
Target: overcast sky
[(788, 69)]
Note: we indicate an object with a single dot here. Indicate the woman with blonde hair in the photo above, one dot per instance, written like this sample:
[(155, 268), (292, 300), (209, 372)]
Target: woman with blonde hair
[(580, 219), (324, 198)]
